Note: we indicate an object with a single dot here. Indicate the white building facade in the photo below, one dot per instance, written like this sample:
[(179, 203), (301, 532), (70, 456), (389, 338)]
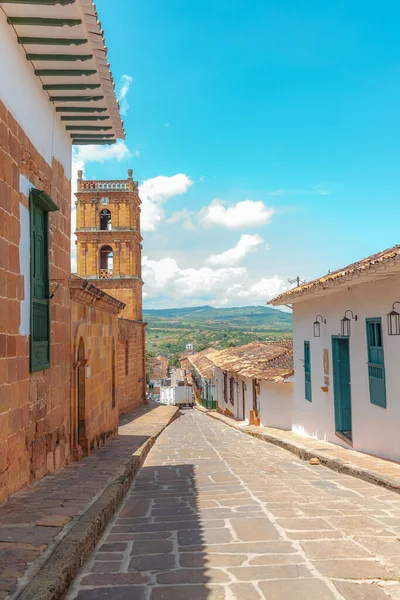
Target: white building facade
[(254, 383), (347, 376)]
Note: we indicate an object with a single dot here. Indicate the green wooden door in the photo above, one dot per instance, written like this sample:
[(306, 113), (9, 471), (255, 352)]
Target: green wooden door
[(342, 384), (40, 309), (307, 371), (376, 364)]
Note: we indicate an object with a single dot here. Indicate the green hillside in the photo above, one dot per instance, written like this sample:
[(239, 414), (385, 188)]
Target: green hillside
[(170, 329)]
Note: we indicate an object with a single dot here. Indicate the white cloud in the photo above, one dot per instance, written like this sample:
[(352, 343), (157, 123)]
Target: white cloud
[(167, 284), (233, 256), (166, 279), (182, 216), (118, 152), (247, 213), (259, 292), (154, 192), (123, 89)]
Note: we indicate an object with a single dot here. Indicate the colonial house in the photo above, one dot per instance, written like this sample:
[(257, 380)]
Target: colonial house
[(254, 383), (346, 328), (60, 341), (202, 377)]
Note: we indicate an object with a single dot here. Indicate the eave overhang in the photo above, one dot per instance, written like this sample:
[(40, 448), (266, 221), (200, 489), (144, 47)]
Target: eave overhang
[(378, 267), (64, 43)]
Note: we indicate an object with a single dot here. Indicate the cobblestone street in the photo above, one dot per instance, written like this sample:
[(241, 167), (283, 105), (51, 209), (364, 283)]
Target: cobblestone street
[(216, 514)]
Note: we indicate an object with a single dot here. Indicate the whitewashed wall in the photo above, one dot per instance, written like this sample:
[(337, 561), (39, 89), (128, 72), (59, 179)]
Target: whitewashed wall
[(375, 429), (276, 404), (22, 94)]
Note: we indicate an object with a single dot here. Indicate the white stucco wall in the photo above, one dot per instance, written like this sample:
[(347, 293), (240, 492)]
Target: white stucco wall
[(22, 94), (375, 429), (276, 404)]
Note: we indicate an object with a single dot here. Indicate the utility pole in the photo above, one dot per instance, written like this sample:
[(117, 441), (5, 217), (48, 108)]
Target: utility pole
[(296, 280)]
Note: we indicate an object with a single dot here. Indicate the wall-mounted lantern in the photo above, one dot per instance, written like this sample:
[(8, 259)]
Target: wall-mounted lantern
[(317, 325), (394, 321), (345, 328)]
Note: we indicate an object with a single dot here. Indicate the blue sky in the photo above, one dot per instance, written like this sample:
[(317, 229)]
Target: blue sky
[(292, 106)]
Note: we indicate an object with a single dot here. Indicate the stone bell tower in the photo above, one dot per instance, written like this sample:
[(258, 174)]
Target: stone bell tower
[(109, 250)]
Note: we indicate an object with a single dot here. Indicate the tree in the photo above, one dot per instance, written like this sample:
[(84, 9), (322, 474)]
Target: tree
[(149, 366)]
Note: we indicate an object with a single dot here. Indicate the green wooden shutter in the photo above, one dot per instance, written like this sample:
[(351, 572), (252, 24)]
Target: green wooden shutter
[(307, 371), (40, 205), (376, 363)]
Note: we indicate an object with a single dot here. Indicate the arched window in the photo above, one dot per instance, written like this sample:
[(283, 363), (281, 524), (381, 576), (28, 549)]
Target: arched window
[(126, 358), (105, 220), (106, 262)]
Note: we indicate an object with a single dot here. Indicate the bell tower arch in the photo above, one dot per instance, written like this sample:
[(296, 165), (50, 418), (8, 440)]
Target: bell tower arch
[(109, 244)]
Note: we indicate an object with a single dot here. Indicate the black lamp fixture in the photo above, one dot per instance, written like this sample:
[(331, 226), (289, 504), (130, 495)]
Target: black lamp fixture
[(345, 328), (394, 321), (317, 325)]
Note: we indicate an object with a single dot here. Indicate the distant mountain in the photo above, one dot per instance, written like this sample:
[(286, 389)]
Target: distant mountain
[(242, 317)]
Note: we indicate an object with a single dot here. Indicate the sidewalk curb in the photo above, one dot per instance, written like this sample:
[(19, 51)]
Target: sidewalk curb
[(53, 578), (335, 464)]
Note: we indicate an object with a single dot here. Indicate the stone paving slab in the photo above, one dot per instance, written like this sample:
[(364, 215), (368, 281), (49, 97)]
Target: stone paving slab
[(372, 469), (198, 537), (72, 504)]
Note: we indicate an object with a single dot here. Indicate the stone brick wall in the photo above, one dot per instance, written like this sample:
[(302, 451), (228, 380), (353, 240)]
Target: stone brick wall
[(34, 408), (128, 291), (95, 321), (131, 364)]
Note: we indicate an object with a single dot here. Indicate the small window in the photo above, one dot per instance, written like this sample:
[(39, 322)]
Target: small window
[(40, 205), (307, 371)]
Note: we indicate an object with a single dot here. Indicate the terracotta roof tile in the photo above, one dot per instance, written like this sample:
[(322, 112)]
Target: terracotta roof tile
[(202, 363), (269, 361)]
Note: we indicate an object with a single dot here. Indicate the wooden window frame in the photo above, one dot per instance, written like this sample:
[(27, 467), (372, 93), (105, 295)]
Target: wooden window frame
[(307, 350), (374, 367), (40, 348)]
